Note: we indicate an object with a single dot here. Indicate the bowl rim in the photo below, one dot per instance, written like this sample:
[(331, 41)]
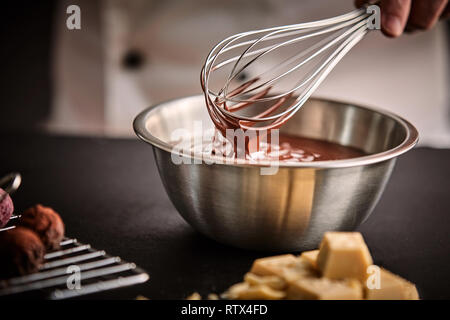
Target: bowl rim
[(411, 139)]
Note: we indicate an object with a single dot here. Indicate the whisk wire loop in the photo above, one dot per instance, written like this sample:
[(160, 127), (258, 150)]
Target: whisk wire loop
[(229, 105)]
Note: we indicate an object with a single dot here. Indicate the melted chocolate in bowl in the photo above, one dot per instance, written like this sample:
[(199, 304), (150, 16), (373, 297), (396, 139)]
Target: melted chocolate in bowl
[(290, 148), (294, 148)]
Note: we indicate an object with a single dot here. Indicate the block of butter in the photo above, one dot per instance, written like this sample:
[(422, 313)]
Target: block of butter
[(325, 289), (389, 287), (343, 255)]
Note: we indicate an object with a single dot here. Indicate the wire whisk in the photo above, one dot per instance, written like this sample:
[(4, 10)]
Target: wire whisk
[(289, 63)]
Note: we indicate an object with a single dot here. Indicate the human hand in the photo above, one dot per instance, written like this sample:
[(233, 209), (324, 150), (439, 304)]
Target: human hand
[(409, 15)]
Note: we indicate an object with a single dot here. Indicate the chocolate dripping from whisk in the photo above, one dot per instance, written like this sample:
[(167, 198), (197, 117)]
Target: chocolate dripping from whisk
[(222, 122)]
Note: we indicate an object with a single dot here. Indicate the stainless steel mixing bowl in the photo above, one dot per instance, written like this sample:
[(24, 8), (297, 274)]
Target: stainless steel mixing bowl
[(288, 211)]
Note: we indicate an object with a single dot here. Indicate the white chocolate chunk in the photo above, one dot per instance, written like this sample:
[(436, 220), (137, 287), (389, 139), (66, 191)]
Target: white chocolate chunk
[(325, 289), (311, 257), (390, 287), (344, 255), (288, 267), (273, 282), (272, 266), (300, 269), (243, 291), (194, 296)]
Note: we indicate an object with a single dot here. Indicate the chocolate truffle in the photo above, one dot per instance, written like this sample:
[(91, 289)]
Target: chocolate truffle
[(46, 223), (6, 208), (21, 252)]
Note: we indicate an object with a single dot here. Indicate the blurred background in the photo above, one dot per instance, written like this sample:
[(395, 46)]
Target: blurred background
[(130, 54)]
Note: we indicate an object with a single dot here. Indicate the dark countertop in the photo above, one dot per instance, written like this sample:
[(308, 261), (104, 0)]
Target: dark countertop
[(109, 194)]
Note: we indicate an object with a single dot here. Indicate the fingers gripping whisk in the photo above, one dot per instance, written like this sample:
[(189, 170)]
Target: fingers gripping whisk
[(287, 63)]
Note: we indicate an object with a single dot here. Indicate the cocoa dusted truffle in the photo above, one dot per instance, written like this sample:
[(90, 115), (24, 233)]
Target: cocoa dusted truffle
[(21, 252), (46, 223), (6, 208)]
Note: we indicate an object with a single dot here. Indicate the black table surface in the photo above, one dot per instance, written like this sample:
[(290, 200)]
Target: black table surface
[(109, 194)]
